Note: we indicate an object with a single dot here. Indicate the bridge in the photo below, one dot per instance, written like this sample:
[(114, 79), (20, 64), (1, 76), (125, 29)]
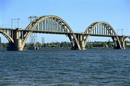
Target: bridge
[(55, 25)]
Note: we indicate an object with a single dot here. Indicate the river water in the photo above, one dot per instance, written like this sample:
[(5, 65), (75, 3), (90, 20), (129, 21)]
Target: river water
[(65, 67)]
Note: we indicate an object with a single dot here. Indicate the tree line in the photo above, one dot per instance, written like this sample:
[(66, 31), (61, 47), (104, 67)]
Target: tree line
[(95, 44)]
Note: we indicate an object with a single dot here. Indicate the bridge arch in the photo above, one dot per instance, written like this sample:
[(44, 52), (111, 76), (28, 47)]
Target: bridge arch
[(9, 38), (51, 24), (102, 28)]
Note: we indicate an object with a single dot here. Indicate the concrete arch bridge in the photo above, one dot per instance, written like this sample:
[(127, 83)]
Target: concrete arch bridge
[(55, 25)]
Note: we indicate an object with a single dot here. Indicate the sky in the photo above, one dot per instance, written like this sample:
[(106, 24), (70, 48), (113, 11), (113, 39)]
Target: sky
[(79, 14)]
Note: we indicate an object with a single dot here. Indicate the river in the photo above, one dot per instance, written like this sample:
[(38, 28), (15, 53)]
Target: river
[(65, 67)]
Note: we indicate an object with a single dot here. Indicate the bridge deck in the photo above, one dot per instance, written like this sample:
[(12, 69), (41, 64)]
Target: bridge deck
[(64, 33)]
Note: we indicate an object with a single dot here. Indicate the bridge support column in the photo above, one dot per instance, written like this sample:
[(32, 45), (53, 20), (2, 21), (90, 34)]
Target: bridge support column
[(82, 42), (115, 43), (119, 44), (74, 45), (122, 42), (17, 45), (77, 46)]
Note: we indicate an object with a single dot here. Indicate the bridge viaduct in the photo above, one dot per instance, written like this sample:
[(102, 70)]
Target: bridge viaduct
[(55, 25)]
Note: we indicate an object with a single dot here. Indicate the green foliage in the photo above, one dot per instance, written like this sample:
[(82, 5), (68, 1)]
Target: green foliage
[(48, 45), (57, 45), (95, 44), (3, 45), (99, 44)]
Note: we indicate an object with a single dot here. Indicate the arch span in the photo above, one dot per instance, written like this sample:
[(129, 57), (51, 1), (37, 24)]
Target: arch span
[(102, 28), (53, 24), (9, 38)]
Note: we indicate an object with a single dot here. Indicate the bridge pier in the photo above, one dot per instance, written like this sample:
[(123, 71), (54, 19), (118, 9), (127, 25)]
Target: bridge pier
[(17, 45), (80, 41), (80, 44), (119, 44), (11, 46), (122, 42), (74, 45)]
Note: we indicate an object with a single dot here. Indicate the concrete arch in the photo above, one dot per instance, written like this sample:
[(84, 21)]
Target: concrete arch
[(7, 36), (107, 27), (92, 26), (122, 40), (57, 19)]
